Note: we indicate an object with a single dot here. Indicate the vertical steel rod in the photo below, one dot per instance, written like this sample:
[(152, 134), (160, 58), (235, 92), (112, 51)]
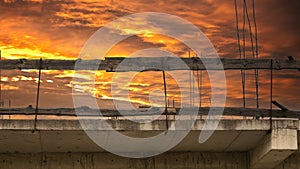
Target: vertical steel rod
[(244, 55), (166, 97), (1, 79), (38, 94), (173, 103), (200, 88), (9, 106), (271, 95), (256, 52), (190, 83)]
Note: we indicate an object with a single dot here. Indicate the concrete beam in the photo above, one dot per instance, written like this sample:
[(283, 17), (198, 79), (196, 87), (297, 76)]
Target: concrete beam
[(274, 148), (89, 112), (166, 63)]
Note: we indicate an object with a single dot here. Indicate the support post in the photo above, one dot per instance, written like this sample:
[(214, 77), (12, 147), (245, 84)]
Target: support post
[(274, 148), (38, 94), (166, 99)]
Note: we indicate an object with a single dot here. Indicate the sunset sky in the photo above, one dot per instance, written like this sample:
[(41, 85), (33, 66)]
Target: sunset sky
[(55, 29)]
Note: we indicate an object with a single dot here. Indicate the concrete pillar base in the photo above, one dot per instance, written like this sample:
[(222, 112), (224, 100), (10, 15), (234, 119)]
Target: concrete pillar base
[(274, 148)]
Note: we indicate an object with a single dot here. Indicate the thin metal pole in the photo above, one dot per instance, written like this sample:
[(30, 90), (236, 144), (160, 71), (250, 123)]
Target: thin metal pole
[(190, 83), (237, 28), (166, 97), (1, 79), (256, 52), (193, 87), (200, 91), (199, 76), (9, 106), (173, 103), (38, 94), (271, 96), (243, 71)]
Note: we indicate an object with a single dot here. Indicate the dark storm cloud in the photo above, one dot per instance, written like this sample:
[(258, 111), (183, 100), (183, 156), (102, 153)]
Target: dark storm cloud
[(279, 25)]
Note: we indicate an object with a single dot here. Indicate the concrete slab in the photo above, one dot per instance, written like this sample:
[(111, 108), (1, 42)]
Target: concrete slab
[(60, 139), (68, 136)]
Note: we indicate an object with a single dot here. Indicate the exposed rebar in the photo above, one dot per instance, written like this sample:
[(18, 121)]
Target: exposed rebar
[(271, 95), (1, 104), (166, 97), (38, 94)]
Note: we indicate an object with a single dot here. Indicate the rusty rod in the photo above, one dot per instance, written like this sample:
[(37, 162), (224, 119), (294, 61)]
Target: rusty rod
[(38, 94)]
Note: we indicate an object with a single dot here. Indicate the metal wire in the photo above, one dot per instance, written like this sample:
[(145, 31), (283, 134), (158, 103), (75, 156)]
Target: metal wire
[(237, 28), (256, 52), (244, 56), (239, 46)]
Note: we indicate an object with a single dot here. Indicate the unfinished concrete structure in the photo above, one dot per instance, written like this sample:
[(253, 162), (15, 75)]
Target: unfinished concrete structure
[(236, 144)]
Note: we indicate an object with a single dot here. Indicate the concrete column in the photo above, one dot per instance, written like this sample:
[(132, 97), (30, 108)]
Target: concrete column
[(274, 148)]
